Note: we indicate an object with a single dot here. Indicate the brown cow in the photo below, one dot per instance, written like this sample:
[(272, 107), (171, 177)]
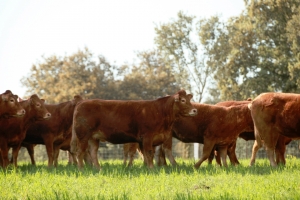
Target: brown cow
[(13, 130), (275, 114), (55, 132), (147, 122), (216, 126), (194, 136), (280, 145), (9, 105)]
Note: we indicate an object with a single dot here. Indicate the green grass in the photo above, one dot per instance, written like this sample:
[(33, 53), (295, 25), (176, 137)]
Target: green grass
[(115, 181)]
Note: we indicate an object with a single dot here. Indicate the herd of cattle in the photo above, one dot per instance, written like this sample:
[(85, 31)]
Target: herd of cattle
[(78, 125)]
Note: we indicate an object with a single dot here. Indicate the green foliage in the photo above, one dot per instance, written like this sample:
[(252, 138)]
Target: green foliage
[(255, 52), (115, 181), (149, 79), (58, 79), (175, 41)]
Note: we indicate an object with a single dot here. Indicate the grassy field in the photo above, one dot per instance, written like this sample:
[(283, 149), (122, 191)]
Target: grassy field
[(115, 181)]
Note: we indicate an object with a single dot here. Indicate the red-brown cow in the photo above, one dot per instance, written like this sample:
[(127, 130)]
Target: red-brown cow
[(147, 122), (275, 114), (13, 130), (9, 105), (201, 124), (216, 126), (54, 132)]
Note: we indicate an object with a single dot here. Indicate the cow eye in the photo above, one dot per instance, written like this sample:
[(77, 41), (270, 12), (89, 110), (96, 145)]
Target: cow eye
[(12, 100), (38, 104), (182, 100)]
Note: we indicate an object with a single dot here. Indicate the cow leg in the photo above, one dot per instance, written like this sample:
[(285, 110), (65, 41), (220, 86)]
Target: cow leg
[(255, 148), (88, 158), (223, 154), (4, 153), (15, 152), (30, 150), (271, 139), (207, 148), (160, 157), (93, 149), (215, 153), (49, 148), (167, 149), (82, 147), (125, 154), (148, 152), (232, 155), (131, 153), (280, 151), (55, 155)]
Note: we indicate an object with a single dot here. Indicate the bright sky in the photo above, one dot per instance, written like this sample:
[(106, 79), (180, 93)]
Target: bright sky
[(116, 29)]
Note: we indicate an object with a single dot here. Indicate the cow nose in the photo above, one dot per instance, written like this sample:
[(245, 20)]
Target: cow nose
[(48, 115), (23, 112), (194, 112)]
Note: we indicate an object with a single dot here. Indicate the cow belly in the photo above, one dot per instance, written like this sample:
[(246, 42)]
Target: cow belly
[(158, 139), (115, 138)]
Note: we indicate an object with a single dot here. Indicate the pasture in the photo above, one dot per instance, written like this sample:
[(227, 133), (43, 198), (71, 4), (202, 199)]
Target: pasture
[(115, 181)]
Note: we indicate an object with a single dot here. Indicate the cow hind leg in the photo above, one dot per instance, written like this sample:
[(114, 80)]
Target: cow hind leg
[(223, 154), (93, 149), (207, 148)]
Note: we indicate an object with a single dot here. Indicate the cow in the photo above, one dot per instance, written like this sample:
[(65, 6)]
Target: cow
[(13, 130), (56, 132), (129, 151), (148, 122), (275, 114), (216, 126), (199, 125), (9, 105)]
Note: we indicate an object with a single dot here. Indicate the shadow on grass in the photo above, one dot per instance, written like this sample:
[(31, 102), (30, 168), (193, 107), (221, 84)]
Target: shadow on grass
[(113, 167)]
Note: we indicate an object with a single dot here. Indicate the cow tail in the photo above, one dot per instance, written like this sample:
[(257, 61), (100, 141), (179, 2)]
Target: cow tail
[(249, 106), (74, 140)]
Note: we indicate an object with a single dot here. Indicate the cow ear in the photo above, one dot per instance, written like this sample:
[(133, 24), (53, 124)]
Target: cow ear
[(176, 97), (190, 96), (4, 97), (43, 100)]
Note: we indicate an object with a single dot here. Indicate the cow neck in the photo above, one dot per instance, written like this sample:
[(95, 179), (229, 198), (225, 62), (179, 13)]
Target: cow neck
[(29, 117), (63, 111), (244, 114), (166, 105)]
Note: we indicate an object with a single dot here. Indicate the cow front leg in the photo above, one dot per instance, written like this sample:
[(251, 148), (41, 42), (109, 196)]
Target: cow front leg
[(4, 154), (15, 153), (30, 150)]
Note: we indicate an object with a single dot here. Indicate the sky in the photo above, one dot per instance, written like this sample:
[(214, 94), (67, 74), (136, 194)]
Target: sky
[(115, 29)]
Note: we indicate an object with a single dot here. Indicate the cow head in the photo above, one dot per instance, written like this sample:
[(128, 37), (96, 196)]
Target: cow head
[(183, 104), (10, 106), (38, 109)]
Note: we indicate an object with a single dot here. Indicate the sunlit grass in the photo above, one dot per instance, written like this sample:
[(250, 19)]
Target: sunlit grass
[(115, 181)]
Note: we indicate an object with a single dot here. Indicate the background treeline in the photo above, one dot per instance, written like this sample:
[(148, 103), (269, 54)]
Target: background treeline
[(257, 51)]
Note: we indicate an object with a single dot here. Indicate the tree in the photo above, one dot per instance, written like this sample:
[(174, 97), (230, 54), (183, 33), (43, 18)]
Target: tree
[(58, 79), (149, 79), (251, 53), (176, 43)]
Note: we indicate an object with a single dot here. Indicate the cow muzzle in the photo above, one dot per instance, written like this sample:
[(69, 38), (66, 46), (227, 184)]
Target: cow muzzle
[(47, 116), (193, 112)]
